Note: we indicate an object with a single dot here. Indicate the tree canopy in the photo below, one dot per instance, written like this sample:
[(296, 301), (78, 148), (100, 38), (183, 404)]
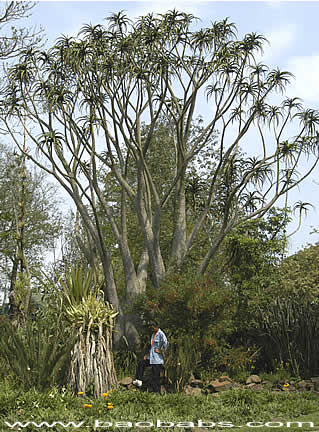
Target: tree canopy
[(91, 107)]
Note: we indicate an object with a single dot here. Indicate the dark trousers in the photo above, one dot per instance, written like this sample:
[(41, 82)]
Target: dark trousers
[(156, 373)]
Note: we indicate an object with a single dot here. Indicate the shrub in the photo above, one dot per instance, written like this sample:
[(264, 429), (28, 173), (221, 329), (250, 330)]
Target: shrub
[(196, 315), (37, 355), (288, 330)]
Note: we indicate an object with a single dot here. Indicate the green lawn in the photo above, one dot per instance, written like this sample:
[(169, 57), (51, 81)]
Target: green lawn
[(234, 407)]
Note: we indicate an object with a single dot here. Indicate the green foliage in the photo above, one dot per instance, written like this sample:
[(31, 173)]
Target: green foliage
[(125, 358), (41, 222), (83, 300), (252, 253), (181, 358), (37, 355), (234, 359), (77, 283), (196, 316), (236, 406), (22, 293), (288, 330), (299, 274), (280, 374), (161, 170)]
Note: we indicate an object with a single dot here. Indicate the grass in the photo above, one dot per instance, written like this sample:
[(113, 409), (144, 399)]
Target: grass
[(235, 406)]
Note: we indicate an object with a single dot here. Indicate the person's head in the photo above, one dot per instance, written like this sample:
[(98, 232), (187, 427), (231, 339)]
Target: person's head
[(154, 325)]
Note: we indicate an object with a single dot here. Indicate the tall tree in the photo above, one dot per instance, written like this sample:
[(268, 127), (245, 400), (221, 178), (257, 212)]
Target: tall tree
[(29, 220), (12, 41), (86, 99)]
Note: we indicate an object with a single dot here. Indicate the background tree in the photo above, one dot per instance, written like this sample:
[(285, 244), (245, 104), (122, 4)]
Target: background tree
[(85, 100), (40, 221), (299, 274), (11, 42), (252, 255)]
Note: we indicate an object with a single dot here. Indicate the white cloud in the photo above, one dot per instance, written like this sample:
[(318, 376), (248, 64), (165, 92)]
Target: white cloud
[(306, 84)]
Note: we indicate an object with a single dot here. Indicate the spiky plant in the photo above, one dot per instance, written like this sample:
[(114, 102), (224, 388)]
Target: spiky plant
[(92, 366), (289, 332), (37, 354), (180, 358)]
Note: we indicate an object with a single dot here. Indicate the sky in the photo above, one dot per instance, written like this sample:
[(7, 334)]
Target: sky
[(290, 27)]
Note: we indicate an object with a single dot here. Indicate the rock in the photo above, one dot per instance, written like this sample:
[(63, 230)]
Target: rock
[(255, 387), (195, 382), (253, 379), (305, 385), (225, 378), (126, 381), (218, 386), (315, 381), (192, 391)]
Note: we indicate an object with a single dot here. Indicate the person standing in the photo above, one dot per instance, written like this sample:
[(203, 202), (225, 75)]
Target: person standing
[(154, 358)]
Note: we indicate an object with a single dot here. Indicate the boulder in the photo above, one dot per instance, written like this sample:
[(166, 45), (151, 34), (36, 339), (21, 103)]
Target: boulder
[(192, 391), (305, 385), (219, 386), (225, 378), (195, 382), (126, 381), (315, 381), (253, 379)]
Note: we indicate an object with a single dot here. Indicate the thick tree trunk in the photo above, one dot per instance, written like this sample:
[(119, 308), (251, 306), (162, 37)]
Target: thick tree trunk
[(150, 226), (154, 253), (142, 272), (179, 237)]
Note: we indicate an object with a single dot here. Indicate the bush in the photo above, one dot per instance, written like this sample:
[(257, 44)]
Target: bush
[(37, 355), (196, 316), (288, 329), (125, 359)]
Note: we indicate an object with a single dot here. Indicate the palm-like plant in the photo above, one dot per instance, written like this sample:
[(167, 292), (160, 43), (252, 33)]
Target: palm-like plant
[(92, 367)]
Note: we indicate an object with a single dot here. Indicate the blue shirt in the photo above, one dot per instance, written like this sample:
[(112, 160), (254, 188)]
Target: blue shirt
[(160, 342)]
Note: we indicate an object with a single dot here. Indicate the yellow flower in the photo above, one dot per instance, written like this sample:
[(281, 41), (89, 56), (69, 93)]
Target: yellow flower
[(80, 393), (105, 394), (286, 385), (134, 389), (110, 407), (87, 405)]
